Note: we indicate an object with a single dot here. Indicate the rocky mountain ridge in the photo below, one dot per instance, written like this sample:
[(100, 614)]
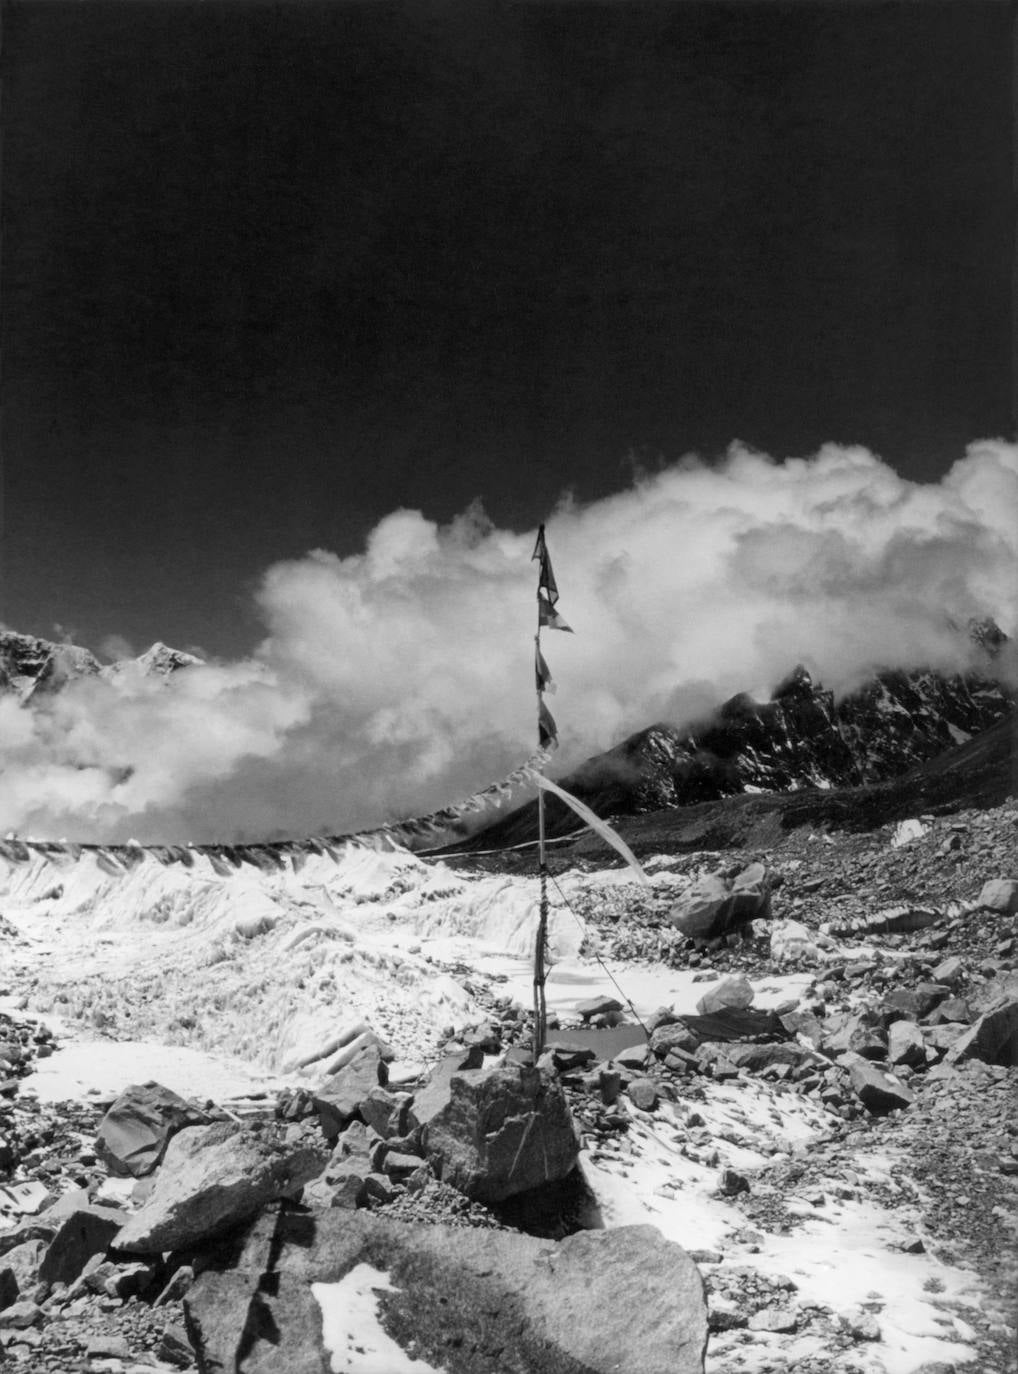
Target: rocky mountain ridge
[(30, 666), (802, 738)]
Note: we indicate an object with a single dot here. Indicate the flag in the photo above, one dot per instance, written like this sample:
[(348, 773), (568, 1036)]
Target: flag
[(547, 615), (547, 730), (542, 672), (546, 578)]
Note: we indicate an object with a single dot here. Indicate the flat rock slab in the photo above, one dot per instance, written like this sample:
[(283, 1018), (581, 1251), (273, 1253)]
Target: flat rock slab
[(134, 1133), (462, 1299), (213, 1178)]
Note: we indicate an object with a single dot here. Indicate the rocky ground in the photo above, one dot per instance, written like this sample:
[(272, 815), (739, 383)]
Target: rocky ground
[(867, 1090)]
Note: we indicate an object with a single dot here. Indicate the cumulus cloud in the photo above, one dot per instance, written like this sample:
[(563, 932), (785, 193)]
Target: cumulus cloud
[(395, 680)]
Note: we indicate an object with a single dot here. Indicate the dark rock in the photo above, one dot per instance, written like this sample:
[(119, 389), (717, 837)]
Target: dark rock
[(83, 1233), (993, 1038), (566, 1057), (643, 1093), (732, 1183), (597, 1006), (338, 1100), (502, 1131), (906, 1044), (554, 1306), (1000, 894), (878, 1090), (134, 1133), (714, 906)]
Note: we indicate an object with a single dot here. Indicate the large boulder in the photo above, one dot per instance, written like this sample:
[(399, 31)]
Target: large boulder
[(879, 1091), (1000, 894), (456, 1299), (502, 1131), (134, 1133), (716, 906), (84, 1232), (211, 1179), (735, 991), (993, 1038), (338, 1101)]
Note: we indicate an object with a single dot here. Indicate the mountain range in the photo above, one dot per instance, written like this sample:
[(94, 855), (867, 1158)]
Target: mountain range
[(802, 739), (30, 666)]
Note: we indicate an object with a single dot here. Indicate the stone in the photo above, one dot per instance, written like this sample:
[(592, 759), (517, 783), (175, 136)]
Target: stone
[(553, 1305), (134, 1133), (212, 1178), (23, 1261), (862, 1033), (993, 1038), (777, 1319), (20, 1315), (108, 1347), (952, 1009), (597, 1006), (726, 1315), (10, 1290), (878, 1090), (674, 1035), (736, 991), (713, 907), (950, 972), (731, 1183), (83, 1233), (906, 1044), (174, 1347), (567, 1057), (1000, 894), (643, 1094), (632, 1057), (765, 1055), (503, 1131), (338, 1101), (434, 1096)]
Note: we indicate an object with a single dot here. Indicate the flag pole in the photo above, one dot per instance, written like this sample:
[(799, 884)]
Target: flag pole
[(540, 972)]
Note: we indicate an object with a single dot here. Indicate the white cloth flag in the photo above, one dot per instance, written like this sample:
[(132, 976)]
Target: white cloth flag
[(595, 822)]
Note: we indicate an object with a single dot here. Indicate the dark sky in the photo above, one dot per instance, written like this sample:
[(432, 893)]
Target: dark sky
[(272, 270)]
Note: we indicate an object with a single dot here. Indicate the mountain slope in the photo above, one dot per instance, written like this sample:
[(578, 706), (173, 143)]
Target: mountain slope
[(800, 739), (31, 667)]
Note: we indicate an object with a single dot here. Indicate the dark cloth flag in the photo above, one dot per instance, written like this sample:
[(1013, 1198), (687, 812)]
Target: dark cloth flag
[(548, 616), (546, 578), (542, 673), (547, 730)]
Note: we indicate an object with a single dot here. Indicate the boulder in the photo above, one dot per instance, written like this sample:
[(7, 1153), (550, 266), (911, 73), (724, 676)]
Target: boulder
[(338, 1101), (502, 1131), (878, 1090), (862, 1033), (134, 1133), (673, 1036), (85, 1232), (765, 1055), (453, 1298), (735, 992), (597, 1006), (906, 1044), (566, 1056), (1000, 894), (434, 1096), (211, 1179), (714, 906), (993, 1038), (950, 972), (643, 1094)]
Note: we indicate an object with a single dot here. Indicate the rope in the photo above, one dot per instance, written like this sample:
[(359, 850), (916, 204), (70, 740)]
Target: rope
[(617, 985)]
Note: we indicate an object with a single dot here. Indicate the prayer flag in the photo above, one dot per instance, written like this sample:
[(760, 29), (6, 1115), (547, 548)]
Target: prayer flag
[(547, 730), (546, 577), (542, 672), (548, 616)]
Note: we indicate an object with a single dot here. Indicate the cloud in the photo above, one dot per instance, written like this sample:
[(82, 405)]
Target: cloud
[(400, 678)]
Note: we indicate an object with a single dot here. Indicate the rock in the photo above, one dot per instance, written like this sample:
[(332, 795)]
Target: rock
[(993, 1038), (674, 1035), (726, 1315), (175, 1348), (952, 1009), (777, 1319), (108, 1347), (736, 991), (949, 972), (21, 1315), (878, 1090), (387, 1113), (1000, 894), (906, 1044), (597, 1006), (85, 1232), (338, 1100), (643, 1094), (553, 1305), (135, 1131), (23, 1261), (731, 1183), (713, 907), (567, 1057), (757, 1057), (212, 1178), (503, 1131), (10, 1290), (632, 1057), (862, 1033), (434, 1096)]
